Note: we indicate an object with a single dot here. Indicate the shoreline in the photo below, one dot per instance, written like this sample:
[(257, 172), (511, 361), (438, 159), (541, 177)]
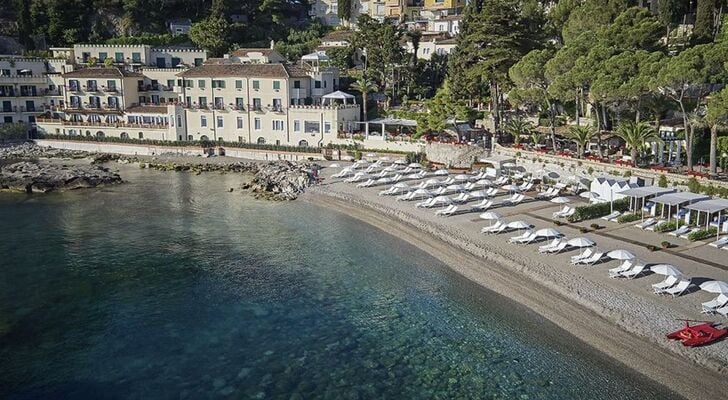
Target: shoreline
[(506, 277)]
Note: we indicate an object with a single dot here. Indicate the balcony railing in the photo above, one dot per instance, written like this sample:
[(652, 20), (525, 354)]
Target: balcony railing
[(320, 107), (100, 124), (21, 109)]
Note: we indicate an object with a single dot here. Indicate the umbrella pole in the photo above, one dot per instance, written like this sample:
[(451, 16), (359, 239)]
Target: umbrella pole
[(717, 233)]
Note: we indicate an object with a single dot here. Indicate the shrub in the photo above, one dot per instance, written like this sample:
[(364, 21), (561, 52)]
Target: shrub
[(702, 234), (666, 226), (665, 244), (583, 229), (595, 226), (590, 170), (652, 247), (662, 182), (627, 174), (625, 218), (592, 211)]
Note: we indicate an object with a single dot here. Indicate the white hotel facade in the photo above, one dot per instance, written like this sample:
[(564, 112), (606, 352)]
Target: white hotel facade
[(177, 94)]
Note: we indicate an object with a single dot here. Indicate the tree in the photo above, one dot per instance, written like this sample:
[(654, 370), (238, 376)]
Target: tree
[(581, 135), (703, 29), (536, 137), (380, 41), (341, 57), (344, 11), (716, 116), (364, 85), (518, 127), (636, 136), (669, 12), (212, 34), (22, 8)]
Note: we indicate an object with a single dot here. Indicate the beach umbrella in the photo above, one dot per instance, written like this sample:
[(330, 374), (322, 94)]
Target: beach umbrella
[(334, 165), (490, 216), (589, 195), (401, 185), (415, 165), (422, 193), (621, 255), (548, 233), (441, 172), (462, 178), (441, 201), (580, 242), (666, 269), (385, 180), (560, 200), (518, 225), (552, 175), (389, 169), (371, 155), (715, 287), (432, 182), (400, 162), (385, 158)]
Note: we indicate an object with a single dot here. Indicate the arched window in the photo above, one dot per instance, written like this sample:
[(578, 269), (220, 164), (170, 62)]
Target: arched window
[(99, 134), (88, 133), (71, 132), (124, 135), (261, 140), (303, 143), (141, 135), (204, 138)]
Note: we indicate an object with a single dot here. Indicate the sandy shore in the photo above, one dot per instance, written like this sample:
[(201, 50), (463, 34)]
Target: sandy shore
[(621, 318)]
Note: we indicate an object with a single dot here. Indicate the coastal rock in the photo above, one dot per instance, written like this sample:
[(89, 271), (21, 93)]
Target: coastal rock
[(42, 178), (282, 180), (31, 151)]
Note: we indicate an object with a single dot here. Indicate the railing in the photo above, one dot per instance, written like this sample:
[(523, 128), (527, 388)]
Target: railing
[(319, 107), (101, 124), (15, 109)]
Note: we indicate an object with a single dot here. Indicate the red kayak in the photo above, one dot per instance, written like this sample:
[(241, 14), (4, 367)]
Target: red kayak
[(698, 335)]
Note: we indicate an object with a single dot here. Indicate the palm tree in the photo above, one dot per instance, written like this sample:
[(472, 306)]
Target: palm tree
[(716, 116), (364, 85), (636, 136), (581, 135), (536, 138), (517, 127)]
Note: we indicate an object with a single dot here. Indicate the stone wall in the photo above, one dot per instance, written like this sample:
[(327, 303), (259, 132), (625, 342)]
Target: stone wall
[(451, 155)]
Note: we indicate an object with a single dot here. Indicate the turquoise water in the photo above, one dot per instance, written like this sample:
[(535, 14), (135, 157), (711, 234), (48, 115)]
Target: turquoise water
[(170, 287)]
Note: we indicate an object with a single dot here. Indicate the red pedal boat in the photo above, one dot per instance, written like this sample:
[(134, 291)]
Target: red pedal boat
[(698, 335)]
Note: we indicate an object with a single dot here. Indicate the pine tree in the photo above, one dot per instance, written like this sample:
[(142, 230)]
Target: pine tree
[(703, 30)]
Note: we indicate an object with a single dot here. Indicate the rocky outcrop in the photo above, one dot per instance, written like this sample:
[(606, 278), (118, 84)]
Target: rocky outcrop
[(282, 180), (198, 167), (42, 178), (31, 151)]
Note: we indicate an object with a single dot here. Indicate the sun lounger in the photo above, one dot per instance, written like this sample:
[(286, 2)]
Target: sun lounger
[(581, 256), (723, 311), (680, 231), (624, 267), (497, 227), (593, 259), (513, 200), (667, 283), (678, 289), (492, 192), (461, 198), (558, 248), (612, 216), (446, 212), (655, 225), (565, 212), (720, 243), (546, 247), (527, 237), (636, 271), (644, 224), (483, 205), (709, 307)]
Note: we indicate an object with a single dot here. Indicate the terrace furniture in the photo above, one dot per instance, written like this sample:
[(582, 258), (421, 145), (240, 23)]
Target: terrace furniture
[(586, 254), (636, 271), (669, 282), (655, 225), (683, 230), (593, 259), (547, 247), (624, 267), (709, 307), (483, 205), (449, 210), (678, 289), (720, 243), (644, 224), (612, 216)]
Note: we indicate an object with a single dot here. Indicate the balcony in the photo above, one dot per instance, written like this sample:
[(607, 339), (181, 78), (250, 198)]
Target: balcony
[(90, 88), (277, 108), (110, 89), (100, 124), (9, 109), (74, 88)]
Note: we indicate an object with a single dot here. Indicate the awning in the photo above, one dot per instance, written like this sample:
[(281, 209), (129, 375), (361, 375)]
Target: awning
[(709, 206), (339, 95), (394, 121), (678, 198), (645, 191)]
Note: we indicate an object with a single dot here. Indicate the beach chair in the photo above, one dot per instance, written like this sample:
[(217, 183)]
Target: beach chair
[(492, 192), (612, 216), (678, 289), (513, 200), (593, 259), (636, 271), (558, 248), (545, 248), (655, 225), (461, 198), (644, 224), (683, 230), (624, 267), (424, 204), (667, 283), (450, 210), (709, 307), (483, 205), (565, 212), (500, 225), (526, 187), (723, 311), (526, 238), (720, 243), (583, 255)]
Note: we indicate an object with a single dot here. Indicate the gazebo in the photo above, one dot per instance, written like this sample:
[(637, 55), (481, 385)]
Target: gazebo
[(676, 200), (642, 193), (334, 98), (709, 207), (409, 123)]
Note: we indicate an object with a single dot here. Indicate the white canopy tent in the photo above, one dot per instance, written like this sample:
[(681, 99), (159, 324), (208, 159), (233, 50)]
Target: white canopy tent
[(642, 193), (410, 123), (498, 163), (331, 99), (677, 199), (709, 207)]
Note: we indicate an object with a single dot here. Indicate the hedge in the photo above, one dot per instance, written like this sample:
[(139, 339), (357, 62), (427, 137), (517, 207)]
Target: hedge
[(666, 227), (702, 234), (597, 210), (626, 218)]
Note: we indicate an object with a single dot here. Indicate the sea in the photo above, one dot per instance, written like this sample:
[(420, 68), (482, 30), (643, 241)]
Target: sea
[(170, 286)]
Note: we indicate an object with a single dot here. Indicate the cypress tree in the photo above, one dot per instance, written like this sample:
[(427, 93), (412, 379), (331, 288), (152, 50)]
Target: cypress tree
[(703, 30)]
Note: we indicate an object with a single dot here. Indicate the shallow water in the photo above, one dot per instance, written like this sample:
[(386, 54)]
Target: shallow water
[(171, 287)]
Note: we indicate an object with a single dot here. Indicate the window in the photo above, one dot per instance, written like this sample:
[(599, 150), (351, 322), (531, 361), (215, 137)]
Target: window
[(219, 103), (189, 84), (202, 101), (203, 121), (31, 119), (201, 84), (277, 125), (256, 124), (198, 62), (277, 105), (141, 135), (119, 57), (8, 120), (239, 103), (29, 105), (296, 125), (161, 62), (256, 104), (240, 123), (220, 122), (317, 84), (256, 85), (296, 84), (276, 85), (311, 127), (327, 127), (218, 84), (179, 121), (175, 62), (170, 83), (91, 85), (136, 57), (238, 84), (111, 85), (103, 56), (240, 139)]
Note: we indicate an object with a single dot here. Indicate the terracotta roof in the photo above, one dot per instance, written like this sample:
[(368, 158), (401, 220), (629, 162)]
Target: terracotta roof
[(244, 51), (274, 70), (147, 109), (113, 72)]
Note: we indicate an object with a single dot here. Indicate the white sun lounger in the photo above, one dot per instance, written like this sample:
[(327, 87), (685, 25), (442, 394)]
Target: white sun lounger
[(513, 200), (558, 248), (667, 283), (497, 227), (709, 307), (624, 267), (644, 224), (612, 216), (544, 248), (526, 237), (678, 289), (593, 259), (461, 198), (680, 231), (582, 256), (655, 225), (720, 243), (636, 271), (483, 205), (450, 210)]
